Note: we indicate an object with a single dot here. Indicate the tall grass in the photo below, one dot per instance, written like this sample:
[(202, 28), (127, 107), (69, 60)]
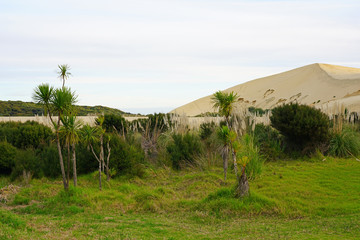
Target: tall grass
[(345, 143)]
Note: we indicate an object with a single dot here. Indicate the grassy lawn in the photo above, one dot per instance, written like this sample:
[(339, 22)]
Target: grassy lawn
[(291, 200)]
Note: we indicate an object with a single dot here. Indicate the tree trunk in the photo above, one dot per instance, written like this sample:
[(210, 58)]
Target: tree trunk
[(107, 161), (68, 164), (225, 156), (74, 165), (66, 186), (100, 176), (242, 189), (102, 152)]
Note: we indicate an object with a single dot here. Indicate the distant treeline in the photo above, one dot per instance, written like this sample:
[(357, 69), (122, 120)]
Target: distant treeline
[(19, 108)]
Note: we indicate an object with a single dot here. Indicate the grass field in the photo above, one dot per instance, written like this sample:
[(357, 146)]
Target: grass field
[(291, 200)]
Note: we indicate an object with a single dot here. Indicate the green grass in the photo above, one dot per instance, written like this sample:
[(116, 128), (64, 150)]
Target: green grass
[(290, 200)]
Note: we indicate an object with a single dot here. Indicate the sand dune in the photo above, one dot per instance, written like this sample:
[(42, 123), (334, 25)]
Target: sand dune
[(320, 85)]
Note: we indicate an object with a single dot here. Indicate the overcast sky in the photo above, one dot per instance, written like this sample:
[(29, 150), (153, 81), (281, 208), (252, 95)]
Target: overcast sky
[(155, 55)]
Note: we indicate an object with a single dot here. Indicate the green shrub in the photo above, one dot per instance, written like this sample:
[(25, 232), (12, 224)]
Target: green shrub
[(115, 123), (126, 158), (249, 149), (26, 160), (345, 144), (184, 149), (85, 160), (206, 130), (25, 135), (269, 141), (49, 158), (7, 157), (303, 127)]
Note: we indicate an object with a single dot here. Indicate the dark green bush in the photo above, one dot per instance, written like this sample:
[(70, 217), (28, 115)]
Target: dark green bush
[(24, 135), (206, 130), (49, 158), (26, 160), (115, 123), (184, 149), (345, 144), (269, 141), (303, 127), (85, 160), (126, 158), (7, 157)]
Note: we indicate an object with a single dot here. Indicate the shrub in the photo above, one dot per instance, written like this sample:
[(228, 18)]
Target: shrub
[(303, 127), (112, 122), (269, 141), (184, 149), (85, 160), (206, 130), (24, 135), (249, 149), (7, 157), (26, 160), (49, 158), (126, 158), (345, 144)]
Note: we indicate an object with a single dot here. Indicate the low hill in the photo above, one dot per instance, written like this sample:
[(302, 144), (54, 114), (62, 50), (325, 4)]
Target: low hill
[(320, 85), (19, 108)]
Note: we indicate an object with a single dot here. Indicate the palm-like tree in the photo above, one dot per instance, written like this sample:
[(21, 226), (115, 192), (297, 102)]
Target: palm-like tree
[(56, 101), (224, 102), (64, 73), (43, 95), (89, 136), (71, 134)]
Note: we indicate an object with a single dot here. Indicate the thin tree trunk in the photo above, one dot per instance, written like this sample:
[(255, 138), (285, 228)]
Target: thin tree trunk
[(74, 165), (66, 186), (102, 152), (107, 161), (100, 176), (68, 164), (92, 149), (225, 160)]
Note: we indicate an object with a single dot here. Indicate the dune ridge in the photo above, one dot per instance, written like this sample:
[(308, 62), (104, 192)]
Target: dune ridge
[(316, 84)]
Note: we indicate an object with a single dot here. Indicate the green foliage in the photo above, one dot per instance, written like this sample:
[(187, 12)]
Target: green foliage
[(115, 123), (126, 158), (224, 102), (49, 158), (184, 149), (251, 151), (206, 130), (26, 160), (24, 135), (345, 144), (304, 127), (7, 157), (269, 141)]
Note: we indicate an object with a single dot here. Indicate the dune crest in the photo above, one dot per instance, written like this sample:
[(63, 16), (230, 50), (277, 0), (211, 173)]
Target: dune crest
[(315, 84)]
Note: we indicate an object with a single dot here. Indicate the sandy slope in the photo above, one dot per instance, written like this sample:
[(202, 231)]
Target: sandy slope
[(322, 85)]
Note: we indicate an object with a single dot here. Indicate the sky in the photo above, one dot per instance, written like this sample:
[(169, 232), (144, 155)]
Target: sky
[(146, 56)]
